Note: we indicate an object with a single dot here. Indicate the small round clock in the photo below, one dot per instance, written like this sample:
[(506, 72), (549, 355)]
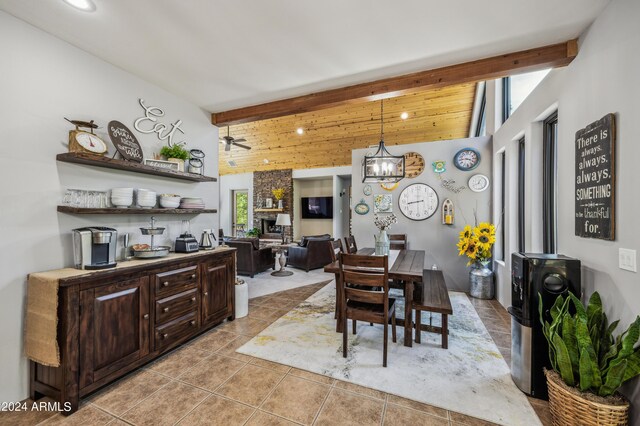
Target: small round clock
[(413, 165), (466, 159), (478, 183), (367, 190), (418, 201)]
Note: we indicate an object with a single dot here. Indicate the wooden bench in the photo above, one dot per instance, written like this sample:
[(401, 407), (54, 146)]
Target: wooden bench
[(434, 298)]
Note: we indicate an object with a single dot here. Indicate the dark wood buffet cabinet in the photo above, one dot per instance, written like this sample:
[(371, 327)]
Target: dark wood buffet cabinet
[(112, 322)]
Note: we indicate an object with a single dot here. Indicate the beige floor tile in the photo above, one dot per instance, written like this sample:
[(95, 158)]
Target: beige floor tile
[(259, 300), (463, 419), (250, 385), (425, 408), (281, 368), (217, 411), (28, 416), (260, 418), (263, 313), (117, 422), (246, 326), (542, 410), (502, 340), (296, 399), (360, 389), (166, 406), (230, 349), (178, 361), (400, 416), (126, 393), (213, 340), (212, 372), (86, 415), (312, 376), (281, 303), (346, 408)]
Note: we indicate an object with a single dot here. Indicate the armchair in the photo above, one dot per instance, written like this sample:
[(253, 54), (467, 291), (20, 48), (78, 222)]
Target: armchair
[(251, 259), (311, 253)]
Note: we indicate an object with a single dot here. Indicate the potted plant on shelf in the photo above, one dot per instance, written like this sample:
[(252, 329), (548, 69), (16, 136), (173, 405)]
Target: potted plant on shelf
[(589, 364), (476, 244), (382, 239), (279, 194), (176, 154)]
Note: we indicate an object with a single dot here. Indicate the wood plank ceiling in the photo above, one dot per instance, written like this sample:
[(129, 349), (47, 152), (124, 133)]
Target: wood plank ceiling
[(331, 134)]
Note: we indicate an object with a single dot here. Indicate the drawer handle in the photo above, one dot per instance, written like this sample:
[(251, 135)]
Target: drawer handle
[(165, 284), (193, 299), (145, 316), (164, 336), (193, 276), (193, 323), (165, 310)]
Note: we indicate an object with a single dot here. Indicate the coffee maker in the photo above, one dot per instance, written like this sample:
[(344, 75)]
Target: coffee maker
[(94, 247)]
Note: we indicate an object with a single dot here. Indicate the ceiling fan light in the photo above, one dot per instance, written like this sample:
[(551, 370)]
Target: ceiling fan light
[(300, 131)]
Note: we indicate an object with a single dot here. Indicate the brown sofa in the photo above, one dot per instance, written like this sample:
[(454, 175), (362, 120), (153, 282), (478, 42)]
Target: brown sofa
[(251, 258), (312, 252)]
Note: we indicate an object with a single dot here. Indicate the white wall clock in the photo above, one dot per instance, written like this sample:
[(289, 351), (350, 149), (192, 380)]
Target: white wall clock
[(478, 183), (367, 190), (466, 159), (418, 201)]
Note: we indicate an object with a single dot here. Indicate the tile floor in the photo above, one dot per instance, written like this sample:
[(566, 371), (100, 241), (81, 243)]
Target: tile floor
[(206, 382)]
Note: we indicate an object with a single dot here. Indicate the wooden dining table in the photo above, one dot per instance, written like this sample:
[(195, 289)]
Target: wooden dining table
[(406, 269)]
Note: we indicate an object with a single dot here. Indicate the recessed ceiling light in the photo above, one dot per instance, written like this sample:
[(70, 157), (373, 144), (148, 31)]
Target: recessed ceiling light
[(265, 161), (300, 130), (404, 115), (84, 5)]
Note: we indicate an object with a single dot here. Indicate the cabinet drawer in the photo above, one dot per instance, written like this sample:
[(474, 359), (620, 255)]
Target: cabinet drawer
[(171, 282), (173, 306), (176, 330)]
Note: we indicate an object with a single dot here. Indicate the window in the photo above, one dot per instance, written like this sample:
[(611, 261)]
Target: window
[(549, 175), (481, 126), (521, 195), (240, 212), (503, 198), (516, 88)]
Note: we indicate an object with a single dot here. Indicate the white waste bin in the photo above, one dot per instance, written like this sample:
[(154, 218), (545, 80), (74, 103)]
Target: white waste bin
[(242, 299)]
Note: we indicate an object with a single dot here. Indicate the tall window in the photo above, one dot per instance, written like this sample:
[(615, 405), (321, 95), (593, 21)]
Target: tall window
[(549, 175), (506, 98), (240, 212), (503, 199), (516, 88), (481, 126), (521, 194)]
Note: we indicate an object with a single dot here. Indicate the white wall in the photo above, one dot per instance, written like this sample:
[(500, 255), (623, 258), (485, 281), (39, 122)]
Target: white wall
[(311, 188), (229, 183), (602, 79), (43, 80), (431, 235)]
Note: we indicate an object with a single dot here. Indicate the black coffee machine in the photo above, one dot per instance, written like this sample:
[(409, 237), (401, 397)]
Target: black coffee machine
[(550, 275)]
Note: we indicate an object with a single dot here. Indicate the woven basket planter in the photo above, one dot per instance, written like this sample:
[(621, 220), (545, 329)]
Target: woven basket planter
[(570, 407)]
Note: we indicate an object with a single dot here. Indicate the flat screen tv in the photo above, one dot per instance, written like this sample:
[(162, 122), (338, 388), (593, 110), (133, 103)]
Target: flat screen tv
[(317, 207)]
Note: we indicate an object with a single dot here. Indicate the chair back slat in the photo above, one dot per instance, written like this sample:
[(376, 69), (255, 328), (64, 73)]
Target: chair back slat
[(367, 296), (350, 244), (398, 241), (365, 278), (336, 249)]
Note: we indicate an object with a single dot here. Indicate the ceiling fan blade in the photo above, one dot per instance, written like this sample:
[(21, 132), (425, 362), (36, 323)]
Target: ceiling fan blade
[(239, 140), (241, 146), (227, 147)]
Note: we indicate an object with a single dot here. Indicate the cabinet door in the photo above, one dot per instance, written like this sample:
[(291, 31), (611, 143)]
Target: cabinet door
[(217, 290), (114, 327)]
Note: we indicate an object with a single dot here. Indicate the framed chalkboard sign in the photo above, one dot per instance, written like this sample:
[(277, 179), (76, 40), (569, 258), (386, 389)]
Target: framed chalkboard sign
[(125, 141), (596, 179)]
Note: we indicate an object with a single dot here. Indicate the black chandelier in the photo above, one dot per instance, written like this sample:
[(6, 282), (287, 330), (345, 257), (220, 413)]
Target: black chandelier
[(382, 167)]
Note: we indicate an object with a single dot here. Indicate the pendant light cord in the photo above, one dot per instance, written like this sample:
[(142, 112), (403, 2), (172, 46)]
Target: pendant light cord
[(382, 119)]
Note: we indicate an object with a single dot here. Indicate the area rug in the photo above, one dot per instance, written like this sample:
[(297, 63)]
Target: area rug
[(265, 283), (470, 377)]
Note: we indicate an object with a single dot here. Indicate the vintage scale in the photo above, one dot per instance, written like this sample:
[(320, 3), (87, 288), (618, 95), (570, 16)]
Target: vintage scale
[(83, 141)]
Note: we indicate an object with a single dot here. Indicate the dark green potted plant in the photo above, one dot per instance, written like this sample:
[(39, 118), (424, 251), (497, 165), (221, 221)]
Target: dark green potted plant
[(253, 232), (175, 153), (589, 363)]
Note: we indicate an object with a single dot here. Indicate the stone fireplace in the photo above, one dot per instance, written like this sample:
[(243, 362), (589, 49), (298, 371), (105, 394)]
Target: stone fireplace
[(264, 219)]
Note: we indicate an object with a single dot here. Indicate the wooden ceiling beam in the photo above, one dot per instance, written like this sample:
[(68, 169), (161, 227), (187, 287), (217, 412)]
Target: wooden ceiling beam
[(551, 56)]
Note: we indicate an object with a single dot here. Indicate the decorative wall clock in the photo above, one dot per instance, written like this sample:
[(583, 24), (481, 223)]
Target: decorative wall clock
[(467, 159), (413, 165), (367, 190), (389, 186), (382, 203), (478, 183), (362, 207), (83, 141), (418, 201)]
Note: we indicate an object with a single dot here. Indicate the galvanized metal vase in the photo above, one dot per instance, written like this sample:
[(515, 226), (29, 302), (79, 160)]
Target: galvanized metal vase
[(382, 243), (481, 281)]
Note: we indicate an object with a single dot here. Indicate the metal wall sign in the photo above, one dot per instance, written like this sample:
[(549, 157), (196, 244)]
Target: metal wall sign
[(125, 141), (595, 179), (150, 124)]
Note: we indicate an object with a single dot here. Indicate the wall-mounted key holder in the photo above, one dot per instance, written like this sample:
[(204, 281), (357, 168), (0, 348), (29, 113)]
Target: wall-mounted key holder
[(447, 212)]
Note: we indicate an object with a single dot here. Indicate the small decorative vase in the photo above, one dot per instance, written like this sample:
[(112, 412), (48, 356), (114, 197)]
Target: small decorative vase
[(481, 281), (280, 204), (382, 243)]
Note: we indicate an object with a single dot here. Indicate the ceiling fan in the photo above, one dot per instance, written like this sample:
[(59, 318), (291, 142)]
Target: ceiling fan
[(230, 140)]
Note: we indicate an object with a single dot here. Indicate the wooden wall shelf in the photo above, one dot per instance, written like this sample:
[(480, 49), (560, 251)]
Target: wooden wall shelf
[(111, 163), (113, 210), (268, 210)]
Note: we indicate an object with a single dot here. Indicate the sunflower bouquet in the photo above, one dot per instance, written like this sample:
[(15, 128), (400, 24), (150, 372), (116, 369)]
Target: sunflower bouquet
[(476, 242)]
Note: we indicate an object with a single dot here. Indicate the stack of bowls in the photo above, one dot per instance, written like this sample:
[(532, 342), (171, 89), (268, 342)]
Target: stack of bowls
[(169, 201), (191, 203), (146, 198), (122, 197)]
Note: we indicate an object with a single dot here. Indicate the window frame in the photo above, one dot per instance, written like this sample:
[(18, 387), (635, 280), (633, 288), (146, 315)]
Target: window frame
[(234, 209), (482, 113), (503, 202), (521, 194), (506, 98), (550, 184)]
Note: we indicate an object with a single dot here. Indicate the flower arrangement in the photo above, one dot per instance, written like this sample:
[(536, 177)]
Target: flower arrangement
[(476, 243), (383, 222), (278, 193)]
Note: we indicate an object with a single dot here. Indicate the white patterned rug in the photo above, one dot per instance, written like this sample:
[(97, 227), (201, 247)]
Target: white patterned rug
[(470, 377)]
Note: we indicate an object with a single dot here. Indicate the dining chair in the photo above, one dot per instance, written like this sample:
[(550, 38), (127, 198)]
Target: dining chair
[(398, 241), (336, 249), (365, 296), (350, 244)]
